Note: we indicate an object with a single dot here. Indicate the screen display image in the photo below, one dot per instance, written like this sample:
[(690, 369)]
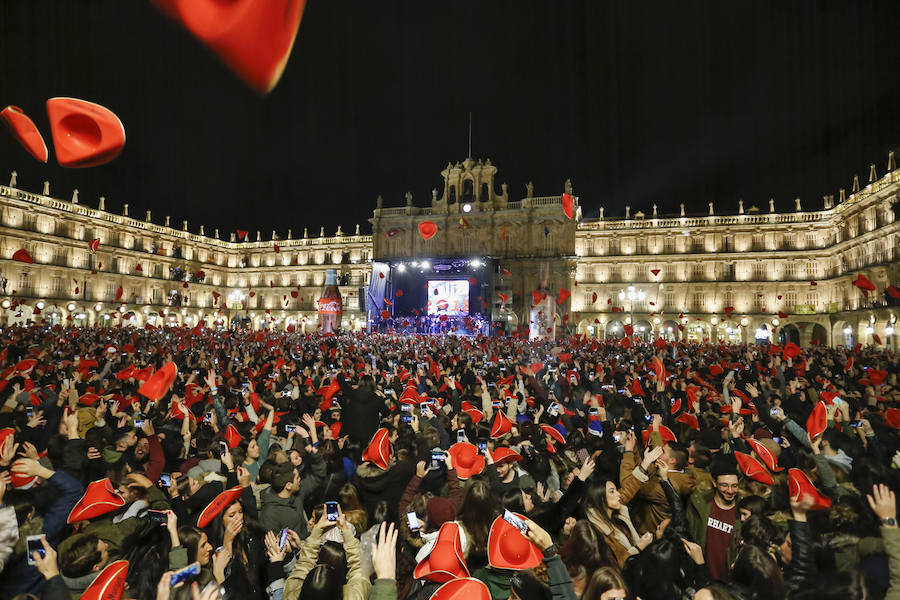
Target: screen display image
[(448, 297)]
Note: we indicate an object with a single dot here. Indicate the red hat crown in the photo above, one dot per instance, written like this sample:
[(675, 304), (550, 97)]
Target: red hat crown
[(218, 504), (502, 425), (509, 549), (445, 561), (99, 498), (753, 469), (378, 451), (466, 588), (466, 460), (799, 486), (109, 584)]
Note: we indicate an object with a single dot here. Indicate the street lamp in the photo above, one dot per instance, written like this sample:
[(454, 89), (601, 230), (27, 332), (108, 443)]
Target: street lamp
[(631, 294)]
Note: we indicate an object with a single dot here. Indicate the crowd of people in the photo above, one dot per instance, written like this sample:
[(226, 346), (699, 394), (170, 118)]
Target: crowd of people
[(201, 464)]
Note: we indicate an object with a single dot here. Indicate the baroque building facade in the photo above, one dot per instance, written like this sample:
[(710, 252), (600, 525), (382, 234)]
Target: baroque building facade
[(749, 274)]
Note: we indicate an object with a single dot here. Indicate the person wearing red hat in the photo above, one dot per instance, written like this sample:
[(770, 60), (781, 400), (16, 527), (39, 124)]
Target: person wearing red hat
[(503, 474), (19, 578), (378, 478)]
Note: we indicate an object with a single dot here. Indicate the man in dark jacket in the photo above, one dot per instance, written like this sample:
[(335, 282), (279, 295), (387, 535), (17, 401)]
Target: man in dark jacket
[(713, 520), (362, 410), (282, 503)]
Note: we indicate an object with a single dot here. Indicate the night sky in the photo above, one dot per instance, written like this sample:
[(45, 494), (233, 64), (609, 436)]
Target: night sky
[(636, 102)]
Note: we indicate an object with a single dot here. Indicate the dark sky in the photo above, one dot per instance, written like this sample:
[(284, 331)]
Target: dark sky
[(636, 102)]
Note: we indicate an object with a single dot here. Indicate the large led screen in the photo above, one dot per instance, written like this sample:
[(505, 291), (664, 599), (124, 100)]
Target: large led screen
[(448, 297)]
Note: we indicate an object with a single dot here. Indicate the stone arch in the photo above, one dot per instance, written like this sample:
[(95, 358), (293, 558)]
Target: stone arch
[(647, 331), (615, 329), (668, 329), (697, 331), (788, 333), (843, 333)]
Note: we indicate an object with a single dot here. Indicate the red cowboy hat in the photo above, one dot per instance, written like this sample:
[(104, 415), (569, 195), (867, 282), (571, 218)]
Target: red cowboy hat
[(232, 436), (568, 204), (378, 451), (25, 367), (505, 455), (791, 350), (466, 588), (125, 373), (218, 504), (476, 414), (25, 131), (427, 229), (891, 417), (70, 117), (89, 399), (99, 498), (109, 584), (753, 469), (554, 433), (817, 421), (159, 383), (502, 425), (20, 481), (466, 459), (800, 486), (689, 419), (666, 434), (509, 549), (765, 455), (445, 562)]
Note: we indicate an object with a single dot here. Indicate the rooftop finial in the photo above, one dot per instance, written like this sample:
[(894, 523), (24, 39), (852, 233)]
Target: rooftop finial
[(102, 205), (75, 196), (873, 176), (740, 207), (891, 166), (46, 191), (12, 179), (855, 187)]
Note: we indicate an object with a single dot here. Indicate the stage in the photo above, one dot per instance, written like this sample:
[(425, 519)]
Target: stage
[(432, 296)]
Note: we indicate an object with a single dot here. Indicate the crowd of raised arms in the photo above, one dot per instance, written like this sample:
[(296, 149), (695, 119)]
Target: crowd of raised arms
[(198, 464)]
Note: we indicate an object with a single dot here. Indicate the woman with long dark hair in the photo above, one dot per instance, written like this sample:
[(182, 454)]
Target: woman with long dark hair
[(605, 508), (584, 553), (477, 512)]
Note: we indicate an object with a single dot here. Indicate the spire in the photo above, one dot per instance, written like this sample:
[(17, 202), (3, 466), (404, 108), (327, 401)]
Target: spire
[(740, 207), (855, 187), (75, 196), (843, 196), (891, 165), (873, 176), (125, 211), (771, 205), (148, 216), (184, 225), (102, 205), (46, 191)]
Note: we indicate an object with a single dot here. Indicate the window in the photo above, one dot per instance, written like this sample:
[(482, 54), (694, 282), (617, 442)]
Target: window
[(812, 299), (728, 299), (790, 300), (790, 270), (698, 303), (670, 245), (698, 272)]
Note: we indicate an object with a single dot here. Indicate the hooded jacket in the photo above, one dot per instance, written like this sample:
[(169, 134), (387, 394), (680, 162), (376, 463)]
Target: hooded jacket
[(375, 484)]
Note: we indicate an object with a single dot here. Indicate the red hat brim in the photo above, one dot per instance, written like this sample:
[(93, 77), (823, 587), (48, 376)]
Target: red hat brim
[(109, 584), (505, 455), (753, 469), (218, 504), (799, 486), (99, 499), (378, 452), (554, 433), (465, 588), (667, 435), (817, 421), (445, 562), (509, 549), (765, 455)]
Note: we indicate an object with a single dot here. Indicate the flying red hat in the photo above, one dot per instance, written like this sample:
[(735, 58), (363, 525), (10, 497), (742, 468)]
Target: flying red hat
[(378, 452), (505, 455), (466, 459), (863, 283), (159, 383), (109, 584), (817, 421), (466, 588), (568, 204), (765, 455), (22, 255), (502, 425), (218, 504), (25, 131), (253, 38), (125, 373), (445, 561), (85, 134), (800, 487), (427, 229), (89, 399), (753, 469), (509, 549), (24, 367), (715, 369), (791, 350), (99, 498)]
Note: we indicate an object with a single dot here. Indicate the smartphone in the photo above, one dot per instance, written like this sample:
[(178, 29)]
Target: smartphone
[(29, 412), (152, 403), (648, 418), (66, 382), (423, 406), (622, 391), (594, 412), (437, 458), (184, 574), (496, 404), (591, 376), (515, 521), (460, 435), (582, 455), (773, 412), (482, 446), (331, 511), (618, 437), (413, 520), (139, 423), (33, 544), (405, 407), (572, 378), (777, 440), (407, 418), (223, 448), (283, 539), (158, 516), (855, 423), (207, 418), (165, 479)]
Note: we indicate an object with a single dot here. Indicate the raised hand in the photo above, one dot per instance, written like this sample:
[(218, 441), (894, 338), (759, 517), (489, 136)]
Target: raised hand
[(384, 552)]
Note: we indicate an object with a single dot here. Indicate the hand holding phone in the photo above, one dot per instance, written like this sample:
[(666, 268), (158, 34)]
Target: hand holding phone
[(34, 543), (331, 511), (413, 519), (184, 574), (515, 521)]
